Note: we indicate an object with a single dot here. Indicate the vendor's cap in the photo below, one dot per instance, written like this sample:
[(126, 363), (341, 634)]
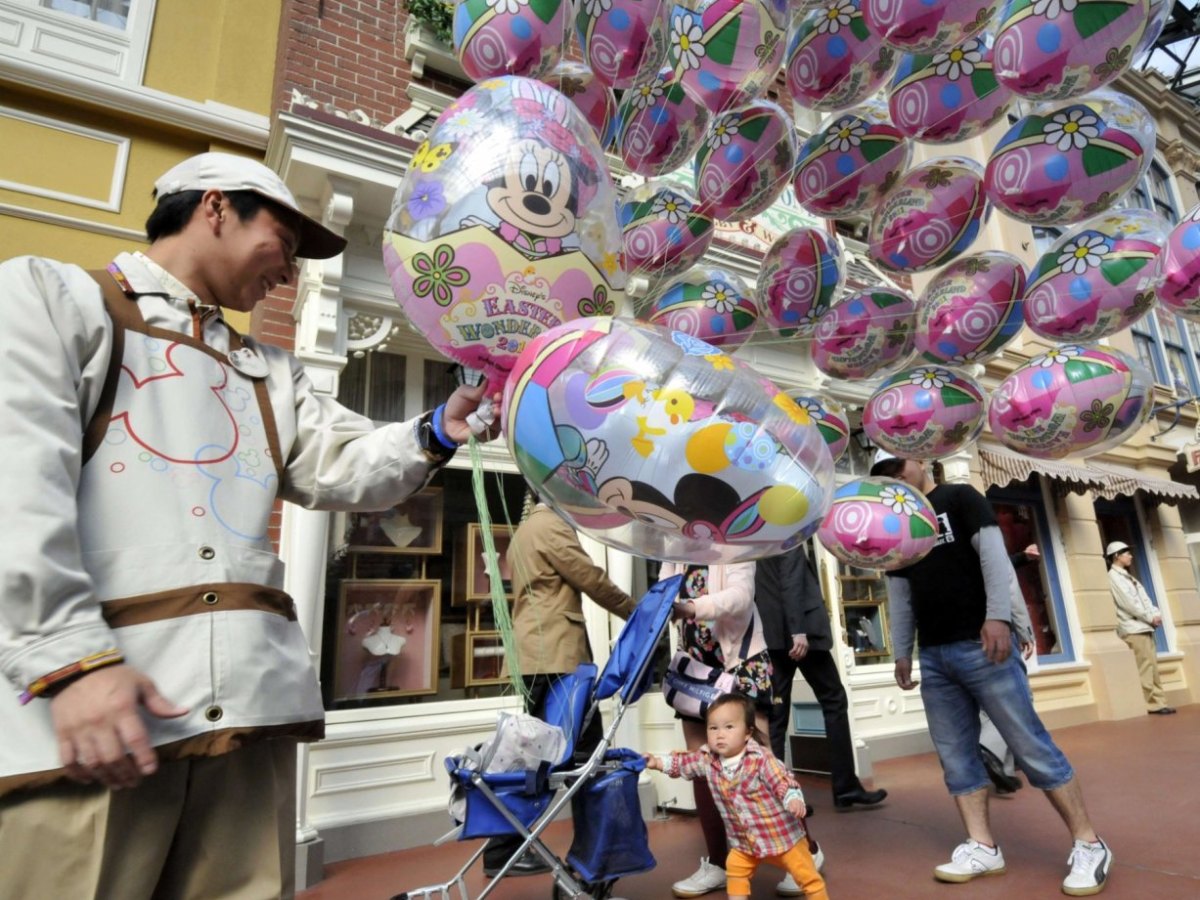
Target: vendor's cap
[(228, 172), (1115, 547), (878, 464)]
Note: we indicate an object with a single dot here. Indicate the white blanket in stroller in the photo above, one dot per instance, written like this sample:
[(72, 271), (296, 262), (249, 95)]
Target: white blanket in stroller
[(521, 742)]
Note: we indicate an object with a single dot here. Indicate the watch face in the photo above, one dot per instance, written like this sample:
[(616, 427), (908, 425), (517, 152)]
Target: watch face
[(429, 443)]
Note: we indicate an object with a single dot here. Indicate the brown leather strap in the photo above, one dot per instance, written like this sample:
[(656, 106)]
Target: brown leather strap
[(124, 312)]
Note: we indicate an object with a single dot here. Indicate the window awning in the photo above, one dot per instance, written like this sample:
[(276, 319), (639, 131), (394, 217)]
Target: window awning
[(1000, 468)]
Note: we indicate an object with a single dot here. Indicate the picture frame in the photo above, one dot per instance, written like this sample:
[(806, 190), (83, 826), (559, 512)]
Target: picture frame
[(414, 526), (388, 642), (470, 582)]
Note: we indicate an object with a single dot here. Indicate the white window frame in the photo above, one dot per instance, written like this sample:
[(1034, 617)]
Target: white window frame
[(64, 42)]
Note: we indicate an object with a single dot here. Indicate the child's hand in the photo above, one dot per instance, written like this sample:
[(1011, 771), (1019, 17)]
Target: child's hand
[(797, 808), (652, 761)]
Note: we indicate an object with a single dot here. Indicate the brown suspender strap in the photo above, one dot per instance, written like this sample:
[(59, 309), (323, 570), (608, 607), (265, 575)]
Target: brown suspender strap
[(264, 406), (124, 312)]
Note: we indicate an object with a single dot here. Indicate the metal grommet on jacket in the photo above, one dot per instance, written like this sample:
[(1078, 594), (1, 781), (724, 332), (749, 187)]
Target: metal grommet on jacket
[(210, 598), (214, 713), (207, 552)]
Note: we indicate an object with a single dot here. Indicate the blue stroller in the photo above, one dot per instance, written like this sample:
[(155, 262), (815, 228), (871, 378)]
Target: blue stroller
[(610, 835)]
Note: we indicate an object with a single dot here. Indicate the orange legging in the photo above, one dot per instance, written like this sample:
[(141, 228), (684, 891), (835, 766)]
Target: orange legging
[(740, 866)]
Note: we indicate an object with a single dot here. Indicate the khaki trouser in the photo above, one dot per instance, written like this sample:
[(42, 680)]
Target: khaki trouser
[(1146, 655), (198, 829)]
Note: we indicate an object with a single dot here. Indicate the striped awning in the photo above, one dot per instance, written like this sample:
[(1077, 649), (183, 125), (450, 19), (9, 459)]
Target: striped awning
[(1000, 468)]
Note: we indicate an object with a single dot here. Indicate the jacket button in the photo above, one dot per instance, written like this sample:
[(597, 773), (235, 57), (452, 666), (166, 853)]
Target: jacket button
[(213, 713), (210, 597), (207, 553)]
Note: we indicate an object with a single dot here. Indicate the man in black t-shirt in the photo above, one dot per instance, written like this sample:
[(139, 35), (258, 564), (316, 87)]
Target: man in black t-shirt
[(958, 601)]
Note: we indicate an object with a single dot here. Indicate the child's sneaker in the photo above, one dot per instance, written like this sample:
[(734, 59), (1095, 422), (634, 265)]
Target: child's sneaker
[(1089, 869), (789, 888), (971, 860), (704, 880)]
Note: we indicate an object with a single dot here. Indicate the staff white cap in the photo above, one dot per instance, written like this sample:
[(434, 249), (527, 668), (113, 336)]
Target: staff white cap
[(1115, 547), (229, 172)]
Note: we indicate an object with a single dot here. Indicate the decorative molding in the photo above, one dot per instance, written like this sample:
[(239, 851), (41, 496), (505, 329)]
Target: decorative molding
[(116, 187), (357, 775), (1182, 160), (423, 51), (49, 218), (357, 116)]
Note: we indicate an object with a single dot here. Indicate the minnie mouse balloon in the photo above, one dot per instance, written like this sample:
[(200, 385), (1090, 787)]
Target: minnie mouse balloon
[(710, 304), (971, 309), (656, 443), (831, 420), (927, 26), (924, 413), (1058, 49), (590, 95), (664, 233), (1064, 163), (622, 43), (504, 225), (659, 125), (847, 166), (948, 97), (879, 523), (833, 61), (1098, 278), (508, 38), (798, 279), (931, 215), (863, 333), (727, 52), (1073, 399), (1180, 290), (744, 160)]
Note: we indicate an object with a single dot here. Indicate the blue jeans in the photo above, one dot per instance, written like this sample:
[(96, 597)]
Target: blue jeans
[(956, 682)]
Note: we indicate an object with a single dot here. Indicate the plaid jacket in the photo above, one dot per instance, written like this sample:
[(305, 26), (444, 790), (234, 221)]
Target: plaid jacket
[(750, 800)]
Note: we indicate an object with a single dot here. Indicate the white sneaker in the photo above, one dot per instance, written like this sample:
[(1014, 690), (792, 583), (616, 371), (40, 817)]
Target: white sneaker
[(1089, 869), (704, 880), (789, 888), (970, 860)]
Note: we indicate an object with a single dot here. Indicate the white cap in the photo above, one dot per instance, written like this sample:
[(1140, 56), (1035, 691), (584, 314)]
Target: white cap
[(881, 455), (1115, 547), (229, 172)]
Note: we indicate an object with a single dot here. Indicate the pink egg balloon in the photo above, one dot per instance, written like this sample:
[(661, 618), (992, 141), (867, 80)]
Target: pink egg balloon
[(948, 97), (711, 304), (864, 332), (591, 96), (744, 161), (927, 26), (833, 61), (971, 309), (879, 523), (1098, 278), (659, 125), (931, 215), (623, 42), (830, 418), (1075, 399), (494, 39), (663, 232), (1065, 163), (1180, 290), (925, 413), (798, 279), (847, 166)]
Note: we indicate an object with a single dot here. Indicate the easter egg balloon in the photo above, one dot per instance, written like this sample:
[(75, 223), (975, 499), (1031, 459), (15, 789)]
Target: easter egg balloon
[(1180, 290), (931, 215), (504, 225), (798, 279), (727, 52), (830, 418), (1098, 278), (664, 233), (864, 332), (833, 61), (924, 413), (657, 443), (745, 159), (493, 39), (971, 309), (710, 304), (659, 125), (590, 95), (1058, 49), (927, 26), (623, 42), (879, 523), (948, 97), (1062, 164), (1074, 399), (846, 167)]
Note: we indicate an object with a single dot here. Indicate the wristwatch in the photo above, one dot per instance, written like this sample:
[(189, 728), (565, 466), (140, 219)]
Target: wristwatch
[(435, 451)]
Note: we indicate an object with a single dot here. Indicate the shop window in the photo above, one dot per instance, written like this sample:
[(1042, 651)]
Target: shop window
[(862, 599), (114, 13), (374, 385), (1118, 521), (1022, 520)]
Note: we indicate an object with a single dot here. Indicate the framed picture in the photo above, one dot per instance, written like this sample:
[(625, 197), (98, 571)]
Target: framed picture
[(387, 644), (470, 581), (414, 526)]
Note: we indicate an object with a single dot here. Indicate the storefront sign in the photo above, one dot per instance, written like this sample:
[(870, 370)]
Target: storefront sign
[(1191, 456)]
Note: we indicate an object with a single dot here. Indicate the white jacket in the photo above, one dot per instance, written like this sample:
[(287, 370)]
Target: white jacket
[(1135, 610)]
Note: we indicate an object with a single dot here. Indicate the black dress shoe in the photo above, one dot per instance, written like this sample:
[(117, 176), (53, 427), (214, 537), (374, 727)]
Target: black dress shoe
[(1163, 711), (1001, 780), (861, 796), (529, 864)]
